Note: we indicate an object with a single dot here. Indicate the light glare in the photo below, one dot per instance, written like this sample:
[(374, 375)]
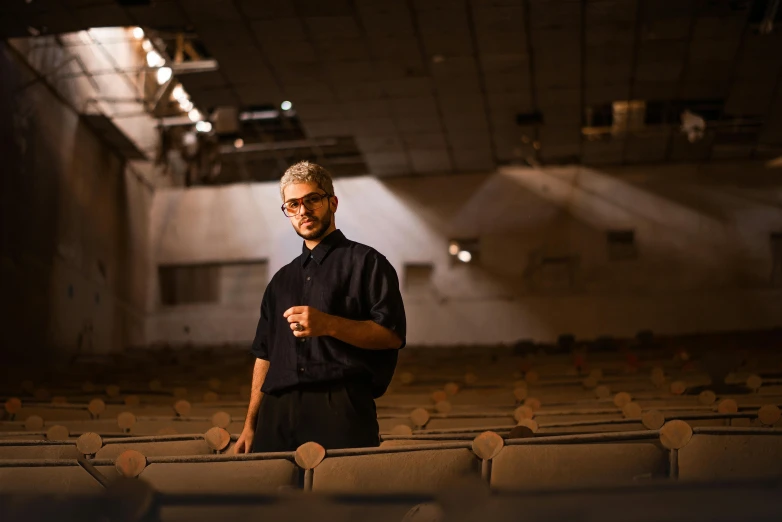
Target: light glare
[(163, 75), (154, 59), (286, 105), (179, 93), (239, 143), (453, 248), (138, 33), (464, 256), (203, 126), (194, 115)]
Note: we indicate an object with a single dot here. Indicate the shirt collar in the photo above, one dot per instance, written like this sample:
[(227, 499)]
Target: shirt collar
[(320, 252)]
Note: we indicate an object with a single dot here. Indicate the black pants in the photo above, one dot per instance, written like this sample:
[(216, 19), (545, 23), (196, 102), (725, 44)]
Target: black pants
[(335, 415)]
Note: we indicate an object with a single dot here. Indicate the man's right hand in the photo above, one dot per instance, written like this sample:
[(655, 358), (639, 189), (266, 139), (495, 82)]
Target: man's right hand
[(244, 444)]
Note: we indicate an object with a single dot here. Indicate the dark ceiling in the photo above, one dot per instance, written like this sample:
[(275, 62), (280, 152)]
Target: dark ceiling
[(425, 86)]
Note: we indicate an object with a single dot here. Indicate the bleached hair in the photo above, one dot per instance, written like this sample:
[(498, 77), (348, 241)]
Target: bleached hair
[(306, 172)]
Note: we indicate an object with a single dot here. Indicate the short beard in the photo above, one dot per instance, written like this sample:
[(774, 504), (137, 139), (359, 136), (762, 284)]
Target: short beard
[(318, 233)]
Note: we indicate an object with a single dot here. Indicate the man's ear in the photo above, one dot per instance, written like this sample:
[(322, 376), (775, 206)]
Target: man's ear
[(336, 202)]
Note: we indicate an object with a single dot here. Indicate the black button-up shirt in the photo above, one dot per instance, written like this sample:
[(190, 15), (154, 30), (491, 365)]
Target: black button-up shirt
[(339, 277)]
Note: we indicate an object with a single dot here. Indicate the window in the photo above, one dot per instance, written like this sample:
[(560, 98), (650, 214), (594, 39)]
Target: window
[(621, 244), (418, 278), (233, 284), (552, 272), (464, 251), (186, 284), (243, 284)]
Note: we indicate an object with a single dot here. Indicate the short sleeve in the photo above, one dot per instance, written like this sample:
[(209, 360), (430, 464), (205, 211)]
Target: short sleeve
[(260, 346), (384, 298)]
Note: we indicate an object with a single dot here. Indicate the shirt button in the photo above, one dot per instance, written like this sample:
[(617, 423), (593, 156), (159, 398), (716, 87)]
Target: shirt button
[(308, 278), (303, 339), (301, 370)]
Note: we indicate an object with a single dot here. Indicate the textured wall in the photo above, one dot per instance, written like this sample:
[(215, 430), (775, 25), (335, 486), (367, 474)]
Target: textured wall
[(74, 228), (702, 235)]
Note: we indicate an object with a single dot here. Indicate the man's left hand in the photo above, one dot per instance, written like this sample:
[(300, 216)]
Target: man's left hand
[(314, 323)]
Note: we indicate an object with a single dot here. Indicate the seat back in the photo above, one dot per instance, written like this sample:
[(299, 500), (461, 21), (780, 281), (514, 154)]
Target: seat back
[(409, 471), (577, 465)]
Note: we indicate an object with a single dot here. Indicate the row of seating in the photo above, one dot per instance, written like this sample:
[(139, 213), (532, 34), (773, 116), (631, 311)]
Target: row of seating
[(563, 461)]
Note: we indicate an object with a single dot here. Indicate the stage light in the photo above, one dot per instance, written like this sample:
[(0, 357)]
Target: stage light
[(163, 75), (138, 33), (203, 126), (464, 256), (186, 105), (286, 105), (147, 45), (154, 59), (194, 115), (179, 93)]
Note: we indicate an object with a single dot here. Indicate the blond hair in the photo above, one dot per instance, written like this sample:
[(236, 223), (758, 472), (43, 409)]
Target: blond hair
[(306, 172)]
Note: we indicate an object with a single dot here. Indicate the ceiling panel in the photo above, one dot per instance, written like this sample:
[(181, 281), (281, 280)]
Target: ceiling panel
[(424, 141), (212, 11), (380, 144), (425, 161), (467, 160)]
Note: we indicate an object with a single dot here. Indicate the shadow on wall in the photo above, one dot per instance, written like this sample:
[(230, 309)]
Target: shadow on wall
[(547, 253), (73, 230), (31, 176)]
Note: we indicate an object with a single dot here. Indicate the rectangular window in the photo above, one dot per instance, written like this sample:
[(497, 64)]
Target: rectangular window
[(464, 251), (621, 244), (187, 284), (558, 272), (234, 283), (418, 278), (243, 284)]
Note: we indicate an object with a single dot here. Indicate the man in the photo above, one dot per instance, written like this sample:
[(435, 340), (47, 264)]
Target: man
[(331, 324)]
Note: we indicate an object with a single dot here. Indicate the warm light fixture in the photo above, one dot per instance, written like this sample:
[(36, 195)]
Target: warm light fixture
[(239, 143), (464, 256), (147, 45), (186, 105), (203, 126), (154, 59), (138, 33), (163, 75), (194, 115), (286, 105), (179, 93), (453, 248)]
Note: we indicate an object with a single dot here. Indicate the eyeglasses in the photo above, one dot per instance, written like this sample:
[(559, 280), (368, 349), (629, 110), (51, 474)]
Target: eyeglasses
[(311, 202)]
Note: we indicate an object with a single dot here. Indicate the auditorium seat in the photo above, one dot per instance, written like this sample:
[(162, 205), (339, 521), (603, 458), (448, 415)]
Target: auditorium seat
[(726, 456), (66, 478), (410, 471), (567, 465), (241, 477)]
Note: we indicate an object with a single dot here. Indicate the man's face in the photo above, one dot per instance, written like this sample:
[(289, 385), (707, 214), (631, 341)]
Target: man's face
[(310, 224)]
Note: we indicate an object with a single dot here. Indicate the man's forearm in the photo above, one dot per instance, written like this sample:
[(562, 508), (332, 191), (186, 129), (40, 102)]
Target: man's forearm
[(259, 376), (363, 334)]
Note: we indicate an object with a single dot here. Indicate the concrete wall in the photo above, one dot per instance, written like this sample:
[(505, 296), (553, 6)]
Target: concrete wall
[(74, 228), (702, 234)]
